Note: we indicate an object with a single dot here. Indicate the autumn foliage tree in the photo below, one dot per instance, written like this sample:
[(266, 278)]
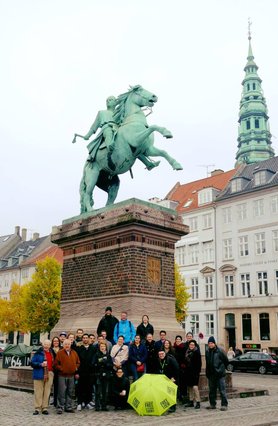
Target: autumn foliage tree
[(42, 296), (12, 313), (182, 295)]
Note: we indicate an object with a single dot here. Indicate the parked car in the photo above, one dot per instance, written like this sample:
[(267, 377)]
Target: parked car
[(2, 348), (255, 361)]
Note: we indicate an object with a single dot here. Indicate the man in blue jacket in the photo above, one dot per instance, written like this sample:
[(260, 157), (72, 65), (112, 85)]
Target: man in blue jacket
[(124, 328)]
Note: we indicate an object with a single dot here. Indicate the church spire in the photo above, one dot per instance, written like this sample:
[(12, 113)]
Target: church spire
[(254, 137)]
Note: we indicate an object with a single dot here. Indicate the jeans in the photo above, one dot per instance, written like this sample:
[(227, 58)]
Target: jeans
[(214, 383)]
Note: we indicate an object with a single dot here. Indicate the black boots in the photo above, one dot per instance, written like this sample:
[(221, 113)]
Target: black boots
[(197, 406)]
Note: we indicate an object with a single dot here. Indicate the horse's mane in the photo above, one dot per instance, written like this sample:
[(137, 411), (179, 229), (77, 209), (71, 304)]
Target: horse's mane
[(119, 112)]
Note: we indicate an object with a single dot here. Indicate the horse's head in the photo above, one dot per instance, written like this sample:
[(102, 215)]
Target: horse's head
[(136, 97), (142, 97)]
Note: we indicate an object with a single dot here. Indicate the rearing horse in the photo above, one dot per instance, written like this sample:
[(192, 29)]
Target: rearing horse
[(134, 139)]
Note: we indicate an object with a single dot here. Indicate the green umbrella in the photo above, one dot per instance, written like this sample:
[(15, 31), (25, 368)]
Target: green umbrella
[(152, 394)]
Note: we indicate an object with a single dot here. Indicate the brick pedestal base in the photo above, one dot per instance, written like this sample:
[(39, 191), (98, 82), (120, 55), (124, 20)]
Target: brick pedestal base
[(121, 256)]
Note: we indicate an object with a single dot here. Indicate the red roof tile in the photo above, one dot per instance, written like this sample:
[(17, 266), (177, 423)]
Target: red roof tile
[(189, 191), (52, 251)]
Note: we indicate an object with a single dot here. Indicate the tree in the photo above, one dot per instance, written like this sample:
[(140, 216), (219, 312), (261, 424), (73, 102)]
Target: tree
[(182, 295), (42, 296), (12, 312)]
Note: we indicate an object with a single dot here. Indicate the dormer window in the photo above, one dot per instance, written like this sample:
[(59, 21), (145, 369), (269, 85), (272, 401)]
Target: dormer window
[(261, 177), (205, 196), (236, 185)]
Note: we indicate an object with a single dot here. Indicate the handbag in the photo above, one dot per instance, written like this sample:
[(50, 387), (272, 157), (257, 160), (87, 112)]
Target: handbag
[(140, 368)]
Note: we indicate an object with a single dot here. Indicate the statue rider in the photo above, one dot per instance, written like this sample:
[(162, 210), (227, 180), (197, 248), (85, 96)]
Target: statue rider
[(106, 122)]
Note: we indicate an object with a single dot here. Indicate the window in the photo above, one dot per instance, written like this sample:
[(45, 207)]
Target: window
[(254, 86), (245, 284), (205, 196), (274, 204), (258, 207), (25, 273), (257, 124), (180, 255), (208, 251), (207, 222), (276, 279), (230, 321), (260, 178), (264, 326), (236, 185), (227, 249), (247, 124), (209, 286), (195, 324), (275, 240), (260, 243), (193, 253), (229, 285), (243, 246), (227, 215), (246, 327), (262, 283), (209, 319), (194, 288), (248, 86), (241, 211), (193, 223)]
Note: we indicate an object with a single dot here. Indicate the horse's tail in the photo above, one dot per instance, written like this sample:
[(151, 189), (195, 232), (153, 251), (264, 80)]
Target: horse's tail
[(82, 191)]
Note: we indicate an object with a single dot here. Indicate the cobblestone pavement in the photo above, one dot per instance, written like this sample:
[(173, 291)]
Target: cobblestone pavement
[(16, 409)]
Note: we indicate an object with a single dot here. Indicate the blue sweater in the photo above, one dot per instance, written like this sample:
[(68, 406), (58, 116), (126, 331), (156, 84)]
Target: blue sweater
[(124, 328)]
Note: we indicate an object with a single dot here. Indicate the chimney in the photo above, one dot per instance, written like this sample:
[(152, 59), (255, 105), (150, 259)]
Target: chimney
[(216, 172), (24, 234), (36, 235), (17, 230)]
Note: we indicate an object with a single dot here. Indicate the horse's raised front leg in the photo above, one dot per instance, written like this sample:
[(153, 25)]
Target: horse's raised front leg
[(152, 151)]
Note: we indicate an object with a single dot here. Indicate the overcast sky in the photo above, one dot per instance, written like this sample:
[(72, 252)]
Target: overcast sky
[(60, 59)]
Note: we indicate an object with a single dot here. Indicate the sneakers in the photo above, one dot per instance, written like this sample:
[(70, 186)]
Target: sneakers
[(45, 412), (224, 408), (211, 407), (189, 404), (79, 407), (198, 405), (36, 412), (59, 411), (89, 406)]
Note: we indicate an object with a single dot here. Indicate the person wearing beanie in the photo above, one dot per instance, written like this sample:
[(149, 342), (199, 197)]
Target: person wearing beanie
[(107, 323), (216, 364)]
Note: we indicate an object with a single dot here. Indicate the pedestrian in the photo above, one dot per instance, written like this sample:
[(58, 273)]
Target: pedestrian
[(167, 364), (84, 387), (103, 365), (67, 364), (193, 363), (216, 363), (231, 354), (238, 352), (159, 343), (42, 363), (55, 347), (107, 323), (62, 337), (120, 390), (151, 354), (137, 358), (124, 328), (168, 348), (179, 347), (119, 355), (144, 328)]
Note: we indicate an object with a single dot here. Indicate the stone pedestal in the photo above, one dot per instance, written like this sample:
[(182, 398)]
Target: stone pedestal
[(120, 256)]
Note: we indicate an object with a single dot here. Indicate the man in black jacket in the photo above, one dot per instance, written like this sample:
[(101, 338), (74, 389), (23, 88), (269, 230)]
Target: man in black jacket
[(216, 363), (120, 390), (107, 323), (167, 364)]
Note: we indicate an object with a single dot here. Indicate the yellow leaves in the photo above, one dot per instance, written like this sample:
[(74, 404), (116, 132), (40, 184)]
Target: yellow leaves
[(182, 295)]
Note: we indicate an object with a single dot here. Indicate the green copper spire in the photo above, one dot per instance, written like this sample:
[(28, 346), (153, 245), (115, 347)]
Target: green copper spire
[(254, 137)]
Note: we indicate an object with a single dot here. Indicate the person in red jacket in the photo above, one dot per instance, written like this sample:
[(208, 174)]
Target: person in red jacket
[(66, 363)]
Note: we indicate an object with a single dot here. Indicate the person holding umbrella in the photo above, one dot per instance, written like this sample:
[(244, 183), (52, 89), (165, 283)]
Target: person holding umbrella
[(167, 365)]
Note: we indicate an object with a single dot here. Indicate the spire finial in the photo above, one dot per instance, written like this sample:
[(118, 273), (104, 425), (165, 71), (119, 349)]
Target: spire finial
[(249, 28)]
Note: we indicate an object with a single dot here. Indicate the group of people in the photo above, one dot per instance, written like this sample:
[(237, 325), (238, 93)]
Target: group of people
[(91, 372)]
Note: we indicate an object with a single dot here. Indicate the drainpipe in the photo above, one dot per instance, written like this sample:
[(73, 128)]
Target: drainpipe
[(216, 275)]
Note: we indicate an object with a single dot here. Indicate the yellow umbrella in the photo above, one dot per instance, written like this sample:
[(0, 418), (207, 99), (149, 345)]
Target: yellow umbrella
[(152, 394)]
